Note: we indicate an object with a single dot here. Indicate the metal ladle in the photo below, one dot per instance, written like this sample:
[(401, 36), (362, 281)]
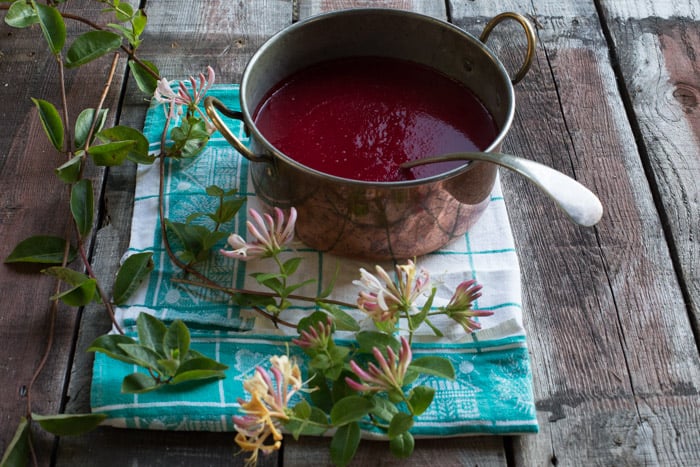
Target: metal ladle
[(577, 201)]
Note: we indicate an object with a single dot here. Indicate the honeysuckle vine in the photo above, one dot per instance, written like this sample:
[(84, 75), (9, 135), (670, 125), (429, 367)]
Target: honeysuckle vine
[(341, 385)]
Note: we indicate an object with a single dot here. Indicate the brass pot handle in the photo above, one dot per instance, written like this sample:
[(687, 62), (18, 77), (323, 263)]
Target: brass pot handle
[(211, 105), (529, 33)]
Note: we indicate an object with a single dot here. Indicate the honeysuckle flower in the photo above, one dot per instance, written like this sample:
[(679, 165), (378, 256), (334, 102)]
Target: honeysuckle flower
[(164, 92), (383, 299), (460, 306), (316, 337), (390, 373), (189, 98), (269, 235), (259, 426)]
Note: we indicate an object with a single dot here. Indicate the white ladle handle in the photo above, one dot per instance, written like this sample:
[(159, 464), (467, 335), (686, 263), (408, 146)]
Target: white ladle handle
[(577, 201)]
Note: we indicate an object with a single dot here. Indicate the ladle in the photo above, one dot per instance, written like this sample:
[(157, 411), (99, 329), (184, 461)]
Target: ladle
[(577, 201)]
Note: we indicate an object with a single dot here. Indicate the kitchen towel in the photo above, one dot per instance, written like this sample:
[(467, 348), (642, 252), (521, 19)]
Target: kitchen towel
[(492, 391)]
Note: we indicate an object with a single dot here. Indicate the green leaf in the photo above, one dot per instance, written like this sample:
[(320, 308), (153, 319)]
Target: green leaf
[(111, 154), (52, 25), (383, 408), (44, 249), (331, 284), (69, 424), (110, 345), (291, 265), (189, 138), (82, 205), (402, 445), (151, 332), (417, 319), (51, 121), (127, 33), (320, 362), (67, 275), (168, 367), (344, 444), (69, 172), (436, 366), (227, 210), (138, 152), (91, 45), (213, 190), (270, 280), (421, 397), (302, 409), (83, 124), (21, 15), (138, 23), (367, 340), (321, 396), (142, 355), (197, 375), (200, 363), (340, 389), (212, 238), (83, 291), (144, 80), (194, 216), (138, 383), (130, 275), (177, 339), (400, 423), (17, 452), (436, 331), (192, 239), (312, 321), (343, 320), (123, 11), (312, 421), (350, 409)]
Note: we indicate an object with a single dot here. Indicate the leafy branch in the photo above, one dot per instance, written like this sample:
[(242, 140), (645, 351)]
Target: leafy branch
[(90, 142), (370, 384)]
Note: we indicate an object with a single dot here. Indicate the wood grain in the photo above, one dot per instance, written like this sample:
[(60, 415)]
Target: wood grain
[(34, 202), (612, 99), (622, 339), (657, 54), (313, 7)]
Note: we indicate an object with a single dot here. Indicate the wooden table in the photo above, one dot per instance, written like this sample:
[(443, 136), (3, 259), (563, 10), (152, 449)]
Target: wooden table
[(611, 312)]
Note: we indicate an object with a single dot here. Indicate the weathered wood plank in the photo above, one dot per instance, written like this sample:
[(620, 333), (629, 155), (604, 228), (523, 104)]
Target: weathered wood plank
[(656, 46), (35, 202), (313, 7), (114, 447), (182, 38), (603, 308), (481, 451)]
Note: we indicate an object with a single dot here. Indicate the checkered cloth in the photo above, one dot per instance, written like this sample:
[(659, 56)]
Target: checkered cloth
[(492, 391)]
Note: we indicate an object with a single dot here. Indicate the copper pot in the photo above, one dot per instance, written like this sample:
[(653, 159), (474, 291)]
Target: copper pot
[(375, 220)]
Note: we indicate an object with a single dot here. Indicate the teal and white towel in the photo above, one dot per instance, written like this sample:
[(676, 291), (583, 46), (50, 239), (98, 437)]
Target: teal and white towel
[(492, 391)]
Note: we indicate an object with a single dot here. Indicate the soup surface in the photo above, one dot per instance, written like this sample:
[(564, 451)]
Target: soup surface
[(360, 118)]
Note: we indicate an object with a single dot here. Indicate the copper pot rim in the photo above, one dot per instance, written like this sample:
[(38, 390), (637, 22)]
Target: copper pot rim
[(328, 178)]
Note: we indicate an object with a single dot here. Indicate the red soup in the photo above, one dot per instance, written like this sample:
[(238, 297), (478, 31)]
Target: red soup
[(361, 118)]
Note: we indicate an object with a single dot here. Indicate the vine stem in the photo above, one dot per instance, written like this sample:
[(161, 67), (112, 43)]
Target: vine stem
[(81, 249), (261, 293), (64, 103), (53, 311)]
